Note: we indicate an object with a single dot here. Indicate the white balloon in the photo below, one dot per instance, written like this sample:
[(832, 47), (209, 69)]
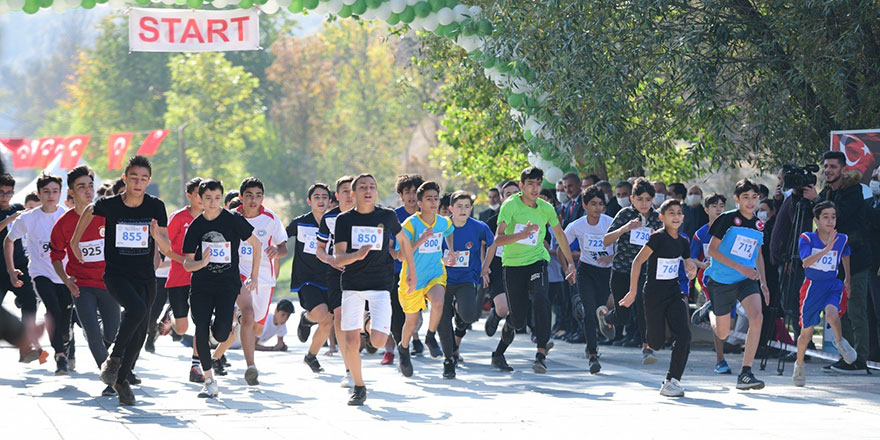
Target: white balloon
[(348, 2), (553, 174), (168, 2), (116, 4), (284, 3), (59, 7), (4, 8), (397, 6), (270, 7), (461, 12), (430, 22), (334, 6), (73, 4), (369, 14), (475, 10), (220, 4), (532, 158), (445, 16), (383, 12), (16, 4), (413, 2), (321, 9)]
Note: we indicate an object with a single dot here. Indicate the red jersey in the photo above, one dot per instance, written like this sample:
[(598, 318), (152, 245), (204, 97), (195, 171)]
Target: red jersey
[(178, 223), (89, 273)]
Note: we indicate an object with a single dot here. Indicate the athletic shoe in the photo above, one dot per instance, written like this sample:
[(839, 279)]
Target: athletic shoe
[(133, 379), (798, 377), (165, 324), (210, 389), (748, 381), (701, 315), (150, 343), (61, 366), (225, 362), (500, 363), (388, 359), (622, 341), (347, 381), (857, 367), (648, 357), (671, 388), (458, 359), (196, 375), (594, 365), (404, 364), (30, 355), (219, 368), (126, 396), (605, 328), (433, 347), (312, 361), (108, 391), (540, 366), (417, 347), (846, 351), (368, 344), (492, 323), (729, 348), (304, 328), (110, 370), (449, 369), (549, 346), (358, 396), (250, 375), (722, 368)]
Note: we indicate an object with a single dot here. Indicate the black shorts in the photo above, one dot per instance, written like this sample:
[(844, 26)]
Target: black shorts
[(725, 296), (311, 296), (178, 297), (334, 293)]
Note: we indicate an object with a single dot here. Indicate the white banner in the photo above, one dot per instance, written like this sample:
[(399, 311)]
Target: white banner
[(174, 30)]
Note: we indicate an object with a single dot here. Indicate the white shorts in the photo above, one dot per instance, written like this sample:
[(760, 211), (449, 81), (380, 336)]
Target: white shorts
[(261, 298), (353, 304)]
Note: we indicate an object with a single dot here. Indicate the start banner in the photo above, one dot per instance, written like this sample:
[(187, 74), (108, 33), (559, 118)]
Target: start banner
[(175, 30)]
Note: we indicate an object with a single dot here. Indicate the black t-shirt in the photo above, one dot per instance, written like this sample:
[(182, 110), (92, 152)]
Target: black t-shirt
[(225, 233), (326, 238), (18, 255), (376, 271), (133, 257), (306, 268), (495, 268), (667, 257)]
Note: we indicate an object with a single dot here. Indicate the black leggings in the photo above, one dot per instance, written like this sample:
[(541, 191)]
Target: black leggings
[(593, 288), (158, 302), (397, 315), (668, 308), (525, 285), (465, 308), (208, 303), (620, 315), (135, 296), (59, 305)]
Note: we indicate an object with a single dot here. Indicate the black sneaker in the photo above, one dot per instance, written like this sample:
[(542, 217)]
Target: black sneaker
[(110, 370), (540, 366), (449, 369), (701, 315), (312, 361), (126, 396), (219, 368), (594, 364), (61, 368), (358, 396), (150, 344), (500, 363), (404, 364), (729, 348), (367, 343), (748, 381), (108, 391), (492, 323), (857, 367), (133, 379), (304, 328), (417, 347), (225, 362), (433, 347)]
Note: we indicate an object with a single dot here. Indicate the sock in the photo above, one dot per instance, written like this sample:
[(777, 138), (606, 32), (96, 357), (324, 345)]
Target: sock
[(309, 355), (195, 361), (540, 356), (507, 334), (429, 336), (746, 370)]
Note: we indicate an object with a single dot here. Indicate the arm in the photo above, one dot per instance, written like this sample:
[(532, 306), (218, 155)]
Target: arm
[(636, 270), (191, 265), (847, 284), (342, 258), (8, 249), (723, 259), (759, 265), (6, 221), (407, 251), (564, 247), (277, 251), (251, 282), (614, 235), (160, 235), (84, 220), (502, 239), (817, 256)]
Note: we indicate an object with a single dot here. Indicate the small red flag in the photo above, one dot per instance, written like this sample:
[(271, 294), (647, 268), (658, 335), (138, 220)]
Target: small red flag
[(73, 151), (151, 142), (117, 144), (22, 152)]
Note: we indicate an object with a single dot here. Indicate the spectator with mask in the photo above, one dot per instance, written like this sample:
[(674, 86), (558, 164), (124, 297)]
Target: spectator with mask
[(660, 193), (561, 196), (694, 214), (874, 214), (494, 205), (622, 191)]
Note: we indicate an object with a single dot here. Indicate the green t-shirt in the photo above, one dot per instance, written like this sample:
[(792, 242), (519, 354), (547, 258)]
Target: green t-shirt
[(516, 215)]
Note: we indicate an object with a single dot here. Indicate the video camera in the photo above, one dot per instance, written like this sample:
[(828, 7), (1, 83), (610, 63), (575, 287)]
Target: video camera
[(795, 178)]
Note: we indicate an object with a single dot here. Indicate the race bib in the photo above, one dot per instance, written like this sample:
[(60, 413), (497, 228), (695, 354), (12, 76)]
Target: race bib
[(219, 252), (499, 251), (828, 262), (531, 240), (639, 236), (132, 236), (366, 235), (595, 243), (463, 259), (744, 247), (308, 236), (45, 246), (92, 251), (432, 244), (667, 268), (246, 250)]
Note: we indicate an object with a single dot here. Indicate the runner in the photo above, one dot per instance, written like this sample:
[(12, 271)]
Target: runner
[(471, 238), (97, 311), (522, 225), (326, 237), (665, 305), (362, 246), (822, 253), (275, 327), (495, 273), (212, 246), (426, 232), (594, 270), (178, 278), (630, 229), (406, 187), (135, 224), (309, 275), (36, 225)]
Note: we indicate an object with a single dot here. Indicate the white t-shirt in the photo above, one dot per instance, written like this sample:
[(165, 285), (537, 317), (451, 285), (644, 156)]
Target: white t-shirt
[(270, 231), (37, 225), (590, 239), (270, 331)]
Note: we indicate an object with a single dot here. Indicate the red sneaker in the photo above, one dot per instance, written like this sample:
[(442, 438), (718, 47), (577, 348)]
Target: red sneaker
[(388, 359)]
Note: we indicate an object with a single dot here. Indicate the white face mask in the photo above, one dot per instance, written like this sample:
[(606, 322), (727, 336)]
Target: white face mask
[(875, 187), (623, 201), (562, 197), (659, 199), (763, 216), (693, 200)]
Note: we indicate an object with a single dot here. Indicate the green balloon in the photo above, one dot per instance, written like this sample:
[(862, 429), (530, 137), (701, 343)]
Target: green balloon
[(515, 100), (393, 19), (488, 62), (195, 4), (485, 28), (408, 15), (88, 4), (142, 2), (528, 135), (359, 7), (453, 29), (246, 4), (310, 4), (31, 6), (373, 4), (100, 2), (260, 2), (296, 6), (504, 67), (441, 30), (345, 12), (45, 3), (437, 5), (451, 3), (423, 9)]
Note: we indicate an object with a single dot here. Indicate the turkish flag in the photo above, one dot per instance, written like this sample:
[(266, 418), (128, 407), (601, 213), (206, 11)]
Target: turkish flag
[(22, 152), (151, 142), (47, 150), (73, 151), (117, 144)]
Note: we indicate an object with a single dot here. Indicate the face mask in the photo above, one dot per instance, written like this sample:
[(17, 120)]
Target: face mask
[(763, 216), (623, 201), (659, 199), (787, 193), (494, 207), (693, 199), (875, 187), (562, 197)]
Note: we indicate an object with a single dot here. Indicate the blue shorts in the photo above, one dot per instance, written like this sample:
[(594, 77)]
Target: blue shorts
[(815, 295)]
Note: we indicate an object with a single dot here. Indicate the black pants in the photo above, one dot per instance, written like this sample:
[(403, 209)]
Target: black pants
[(528, 286), (466, 308), (668, 308), (621, 315), (397, 315), (135, 297), (59, 305), (208, 303), (593, 288), (158, 302)]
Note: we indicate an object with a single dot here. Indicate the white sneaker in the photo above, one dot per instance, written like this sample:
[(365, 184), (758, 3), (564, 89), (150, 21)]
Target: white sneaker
[(347, 381), (799, 377), (672, 388), (210, 390), (846, 351)]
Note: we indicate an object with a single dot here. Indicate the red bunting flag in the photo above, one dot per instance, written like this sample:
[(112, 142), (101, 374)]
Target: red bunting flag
[(73, 151), (22, 152), (117, 144), (47, 150), (151, 142)]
